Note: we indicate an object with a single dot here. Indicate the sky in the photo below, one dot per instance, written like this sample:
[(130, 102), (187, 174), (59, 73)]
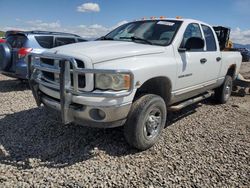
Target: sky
[(94, 18)]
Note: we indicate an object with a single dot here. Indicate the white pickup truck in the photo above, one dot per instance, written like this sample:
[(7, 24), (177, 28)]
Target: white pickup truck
[(134, 75)]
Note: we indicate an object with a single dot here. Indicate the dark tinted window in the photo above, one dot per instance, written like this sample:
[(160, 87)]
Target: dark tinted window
[(60, 41), (209, 37), (16, 41), (192, 30), (45, 41), (81, 40)]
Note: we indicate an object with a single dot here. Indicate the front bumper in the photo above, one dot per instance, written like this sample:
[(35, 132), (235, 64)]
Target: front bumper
[(94, 116), (69, 101)]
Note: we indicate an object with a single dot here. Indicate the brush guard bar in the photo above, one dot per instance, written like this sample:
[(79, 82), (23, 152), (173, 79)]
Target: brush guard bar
[(68, 66)]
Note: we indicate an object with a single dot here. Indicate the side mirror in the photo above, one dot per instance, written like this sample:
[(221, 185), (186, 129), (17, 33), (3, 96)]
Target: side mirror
[(193, 43)]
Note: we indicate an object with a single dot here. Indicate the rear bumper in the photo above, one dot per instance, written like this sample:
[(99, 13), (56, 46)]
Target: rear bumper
[(20, 71), (14, 75)]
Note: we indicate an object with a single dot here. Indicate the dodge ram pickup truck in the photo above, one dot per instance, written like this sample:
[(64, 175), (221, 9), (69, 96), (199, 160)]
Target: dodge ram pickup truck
[(135, 74)]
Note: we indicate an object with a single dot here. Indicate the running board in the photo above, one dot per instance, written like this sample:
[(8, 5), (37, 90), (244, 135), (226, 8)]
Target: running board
[(191, 101)]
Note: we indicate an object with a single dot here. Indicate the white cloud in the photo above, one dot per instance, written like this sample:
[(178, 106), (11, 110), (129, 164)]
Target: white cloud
[(40, 25), (240, 36), (89, 7), (91, 31)]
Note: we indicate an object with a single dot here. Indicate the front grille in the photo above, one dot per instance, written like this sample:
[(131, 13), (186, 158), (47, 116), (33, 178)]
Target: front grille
[(48, 76), (47, 61)]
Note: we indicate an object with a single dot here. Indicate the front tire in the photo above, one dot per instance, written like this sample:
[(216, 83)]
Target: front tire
[(146, 121), (223, 93)]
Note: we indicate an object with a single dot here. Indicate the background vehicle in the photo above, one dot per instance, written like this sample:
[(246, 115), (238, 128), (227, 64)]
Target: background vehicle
[(17, 44), (245, 54), (134, 75)]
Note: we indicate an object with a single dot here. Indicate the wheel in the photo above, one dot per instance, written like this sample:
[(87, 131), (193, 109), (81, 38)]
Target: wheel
[(242, 92), (145, 122), (223, 93)]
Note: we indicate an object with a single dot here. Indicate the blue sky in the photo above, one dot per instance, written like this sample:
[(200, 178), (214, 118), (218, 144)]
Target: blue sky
[(63, 14)]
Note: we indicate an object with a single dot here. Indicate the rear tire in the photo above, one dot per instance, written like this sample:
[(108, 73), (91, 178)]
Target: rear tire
[(145, 122), (223, 93)]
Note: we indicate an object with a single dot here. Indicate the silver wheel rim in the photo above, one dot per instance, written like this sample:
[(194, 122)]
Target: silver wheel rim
[(152, 123), (228, 90)]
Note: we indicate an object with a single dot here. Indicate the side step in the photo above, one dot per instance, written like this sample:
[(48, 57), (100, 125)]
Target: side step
[(190, 101)]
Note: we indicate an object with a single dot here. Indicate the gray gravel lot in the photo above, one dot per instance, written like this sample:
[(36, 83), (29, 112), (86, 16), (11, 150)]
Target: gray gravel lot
[(204, 145)]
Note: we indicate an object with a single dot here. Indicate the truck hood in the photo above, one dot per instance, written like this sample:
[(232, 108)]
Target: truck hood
[(100, 51)]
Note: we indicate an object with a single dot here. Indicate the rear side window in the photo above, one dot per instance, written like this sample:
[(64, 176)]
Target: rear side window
[(16, 41), (209, 37), (60, 41), (45, 41)]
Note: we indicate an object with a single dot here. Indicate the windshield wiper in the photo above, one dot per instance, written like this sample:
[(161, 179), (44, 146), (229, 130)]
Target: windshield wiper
[(137, 38)]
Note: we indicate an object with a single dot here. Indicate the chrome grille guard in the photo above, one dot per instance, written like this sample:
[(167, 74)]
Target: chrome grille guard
[(64, 85)]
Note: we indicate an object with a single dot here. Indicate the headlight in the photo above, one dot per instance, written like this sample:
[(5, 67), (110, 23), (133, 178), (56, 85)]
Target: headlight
[(115, 82)]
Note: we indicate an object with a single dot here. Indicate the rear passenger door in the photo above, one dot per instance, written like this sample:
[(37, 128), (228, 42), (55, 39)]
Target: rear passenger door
[(212, 55), (60, 41)]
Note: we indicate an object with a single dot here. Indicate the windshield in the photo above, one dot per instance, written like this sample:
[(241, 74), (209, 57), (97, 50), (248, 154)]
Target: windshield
[(154, 32)]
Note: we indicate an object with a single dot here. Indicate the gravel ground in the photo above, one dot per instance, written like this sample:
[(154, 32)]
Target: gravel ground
[(204, 145), (245, 70)]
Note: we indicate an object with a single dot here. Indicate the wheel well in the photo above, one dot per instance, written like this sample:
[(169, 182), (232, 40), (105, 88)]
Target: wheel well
[(159, 86), (231, 71)]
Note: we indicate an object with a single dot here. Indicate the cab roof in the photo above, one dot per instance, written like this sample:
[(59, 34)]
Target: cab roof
[(187, 20)]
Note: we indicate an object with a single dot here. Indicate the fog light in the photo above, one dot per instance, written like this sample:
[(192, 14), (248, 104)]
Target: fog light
[(101, 114), (97, 114)]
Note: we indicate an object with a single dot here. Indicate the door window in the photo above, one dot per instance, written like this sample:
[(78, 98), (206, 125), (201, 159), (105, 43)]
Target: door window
[(209, 38), (192, 30)]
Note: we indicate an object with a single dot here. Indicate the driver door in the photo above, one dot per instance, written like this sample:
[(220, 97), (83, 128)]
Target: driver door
[(190, 75)]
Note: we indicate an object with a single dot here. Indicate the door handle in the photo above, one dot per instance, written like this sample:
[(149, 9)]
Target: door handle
[(218, 59), (203, 60)]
